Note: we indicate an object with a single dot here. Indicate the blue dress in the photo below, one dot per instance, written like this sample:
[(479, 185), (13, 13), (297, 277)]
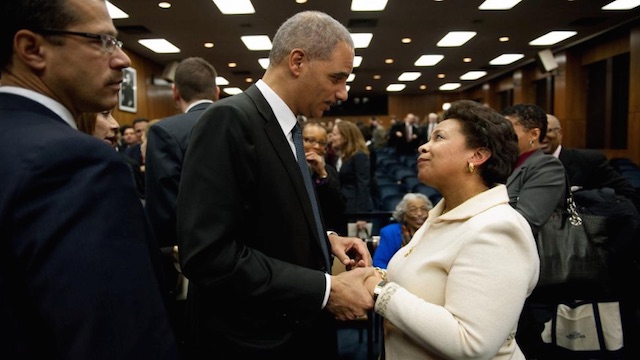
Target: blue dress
[(390, 242)]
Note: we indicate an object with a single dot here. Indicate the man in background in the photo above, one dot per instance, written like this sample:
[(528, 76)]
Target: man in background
[(194, 89), (79, 268), (587, 169)]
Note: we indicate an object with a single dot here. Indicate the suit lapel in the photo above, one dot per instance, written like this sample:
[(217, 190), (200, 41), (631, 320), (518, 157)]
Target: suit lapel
[(281, 146)]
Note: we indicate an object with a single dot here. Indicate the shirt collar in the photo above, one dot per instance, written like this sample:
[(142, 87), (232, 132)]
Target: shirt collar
[(198, 102), (284, 115), (46, 101), (557, 152)]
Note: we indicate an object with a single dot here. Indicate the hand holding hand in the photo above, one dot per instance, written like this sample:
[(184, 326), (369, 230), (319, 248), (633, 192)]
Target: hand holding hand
[(349, 298)]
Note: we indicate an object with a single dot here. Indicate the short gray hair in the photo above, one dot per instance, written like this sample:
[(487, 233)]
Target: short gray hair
[(312, 31), (401, 208)]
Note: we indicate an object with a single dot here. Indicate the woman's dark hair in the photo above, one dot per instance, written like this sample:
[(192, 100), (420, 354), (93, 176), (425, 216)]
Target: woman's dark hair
[(485, 127), (530, 116)]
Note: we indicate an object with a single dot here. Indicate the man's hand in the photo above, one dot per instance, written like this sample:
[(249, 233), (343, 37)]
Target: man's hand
[(349, 299), (350, 251)]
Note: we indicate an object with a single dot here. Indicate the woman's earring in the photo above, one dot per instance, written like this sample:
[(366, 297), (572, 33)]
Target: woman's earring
[(470, 167)]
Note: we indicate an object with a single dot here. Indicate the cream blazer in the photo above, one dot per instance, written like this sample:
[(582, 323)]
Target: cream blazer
[(457, 289)]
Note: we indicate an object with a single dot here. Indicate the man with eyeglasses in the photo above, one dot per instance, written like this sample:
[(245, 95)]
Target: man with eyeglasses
[(79, 267)]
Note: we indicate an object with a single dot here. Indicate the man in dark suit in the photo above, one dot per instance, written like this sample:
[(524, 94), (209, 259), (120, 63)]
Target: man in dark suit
[(404, 136), (79, 268), (194, 89), (250, 245), (587, 169)]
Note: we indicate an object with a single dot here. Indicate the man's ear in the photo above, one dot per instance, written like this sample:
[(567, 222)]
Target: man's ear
[(217, 92), (296, 58), (31, 49), (175, 93)]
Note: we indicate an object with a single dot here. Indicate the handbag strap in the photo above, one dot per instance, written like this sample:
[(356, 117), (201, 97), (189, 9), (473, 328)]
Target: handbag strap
[(570, 203)]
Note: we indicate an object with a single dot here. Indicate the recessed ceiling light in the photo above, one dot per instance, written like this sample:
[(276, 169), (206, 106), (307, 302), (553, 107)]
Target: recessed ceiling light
[(208, 45), (159, 46), (456, 38), (357, 60), (232, 64), (423, 87), (441, 76), (498, 4), (406, 40), (388, 61), (467, 60), (248, 80), (506, 59), (368, 5), (622, 5), (361, 40), (368, 88), (503, 38), (449, 86), (221, 81), (115, 12), (235, 7), (264, 63), (473, 75), (301, 1), (164, 4), (351, 77), (428, 60), (552, 38), (232, 90), (256, 42), (396, 87), (377, 77), (409, 76)]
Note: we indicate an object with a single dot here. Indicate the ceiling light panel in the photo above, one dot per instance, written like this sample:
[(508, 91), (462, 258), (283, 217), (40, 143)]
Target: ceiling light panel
[(473, 75), (428, 60), (264, 63), (235, 7), (622, 5), (159, 46), (368, 5), (357, 60), (361, 40), (115, 12), (498, 4), (221, 81), (396, 87), (456, 38), (232, 90), (409, 76), (256, 42), (506, 59), (552, 38), (449, 86)]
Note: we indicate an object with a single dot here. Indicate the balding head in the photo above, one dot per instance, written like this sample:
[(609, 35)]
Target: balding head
[(553, 137)]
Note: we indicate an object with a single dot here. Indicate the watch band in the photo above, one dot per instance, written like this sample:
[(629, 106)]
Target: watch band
[(378, 290)]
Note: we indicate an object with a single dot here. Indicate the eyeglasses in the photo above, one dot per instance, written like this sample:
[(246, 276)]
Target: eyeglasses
[(109, 43), (314, 141), (555, 129)]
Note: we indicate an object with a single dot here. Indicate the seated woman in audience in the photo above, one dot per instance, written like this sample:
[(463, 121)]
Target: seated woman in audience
[(410, 213), (457, 289), (325, 177)]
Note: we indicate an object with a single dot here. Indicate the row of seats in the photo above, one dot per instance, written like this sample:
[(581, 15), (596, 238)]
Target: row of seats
[(628, 169)]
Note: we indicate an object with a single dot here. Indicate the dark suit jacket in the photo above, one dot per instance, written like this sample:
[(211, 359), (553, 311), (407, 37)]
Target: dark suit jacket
[(78, 269), (355, 180), (247, 236), (403, 147), (331, 201), (537, 188), (166, 147), (590, 169)]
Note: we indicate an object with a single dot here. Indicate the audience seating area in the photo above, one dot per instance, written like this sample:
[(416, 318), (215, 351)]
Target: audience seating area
[(628, 169), (397, 175)]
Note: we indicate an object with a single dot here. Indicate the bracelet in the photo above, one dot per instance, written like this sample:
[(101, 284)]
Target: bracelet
[(381, 272)]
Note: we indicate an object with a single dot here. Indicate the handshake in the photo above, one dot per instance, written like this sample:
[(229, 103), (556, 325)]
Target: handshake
[(351, 293)]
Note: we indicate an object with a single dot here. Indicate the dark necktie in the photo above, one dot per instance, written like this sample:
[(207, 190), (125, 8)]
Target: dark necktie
[(306, 175)]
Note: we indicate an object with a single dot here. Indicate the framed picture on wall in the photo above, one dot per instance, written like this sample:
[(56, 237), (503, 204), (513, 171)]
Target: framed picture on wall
[(128, 91)]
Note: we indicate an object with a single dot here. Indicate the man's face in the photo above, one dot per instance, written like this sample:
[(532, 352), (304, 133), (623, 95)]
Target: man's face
[(80, 73), (139, 129), (325, 81), (130, 136), (553, 137)]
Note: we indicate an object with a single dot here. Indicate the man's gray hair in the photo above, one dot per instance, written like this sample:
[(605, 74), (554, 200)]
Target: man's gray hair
[(312, 31)]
